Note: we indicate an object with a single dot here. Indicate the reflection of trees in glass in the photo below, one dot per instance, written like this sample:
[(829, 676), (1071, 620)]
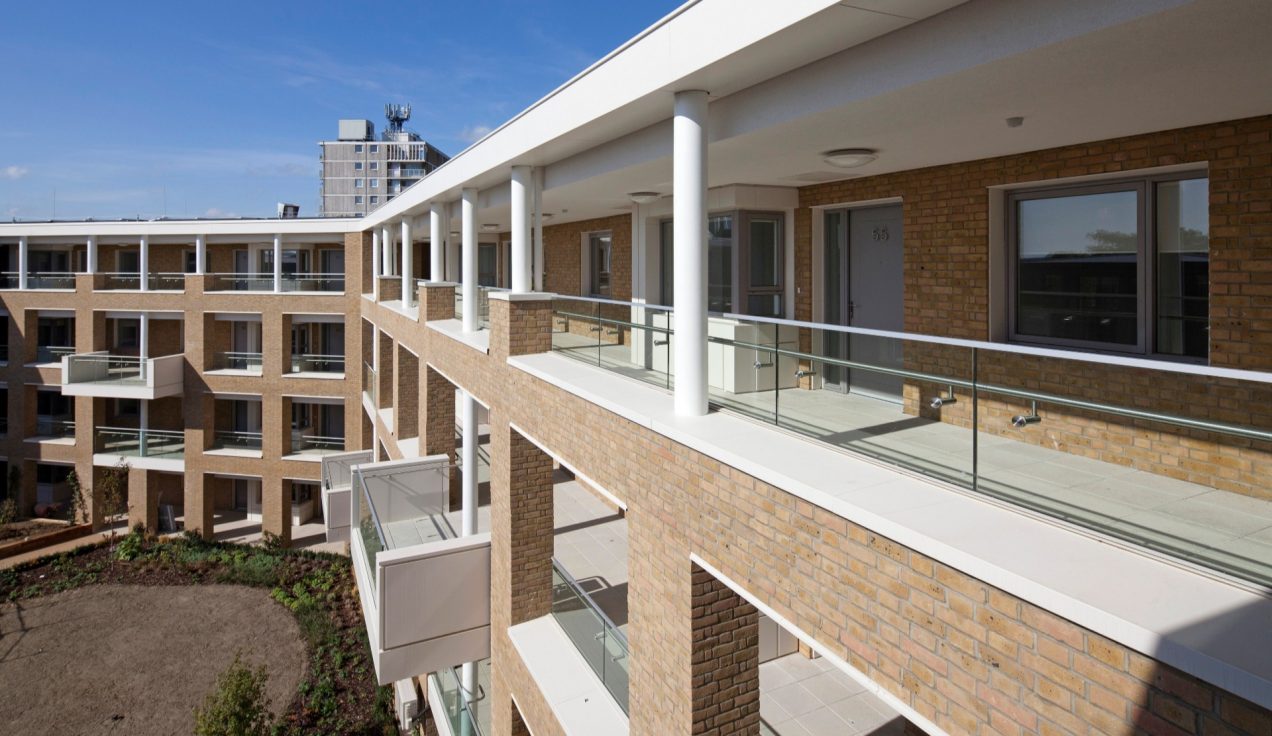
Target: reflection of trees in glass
[(1111, 241)]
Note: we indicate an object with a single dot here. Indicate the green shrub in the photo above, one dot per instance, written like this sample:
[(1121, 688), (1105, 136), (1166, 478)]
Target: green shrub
[(238, 706), (131, 546)]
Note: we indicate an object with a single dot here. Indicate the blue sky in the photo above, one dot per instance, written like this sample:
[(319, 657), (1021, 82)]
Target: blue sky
[(215, 109)]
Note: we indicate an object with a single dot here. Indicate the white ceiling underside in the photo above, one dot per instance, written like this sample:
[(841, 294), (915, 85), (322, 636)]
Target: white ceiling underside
[(940, 91)]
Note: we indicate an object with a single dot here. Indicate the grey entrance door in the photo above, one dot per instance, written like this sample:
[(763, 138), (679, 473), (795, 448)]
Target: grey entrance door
[(864, 255)]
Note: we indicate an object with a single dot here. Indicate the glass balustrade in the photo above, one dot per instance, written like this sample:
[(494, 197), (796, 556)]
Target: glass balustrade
[(166, 282), (53, 353), (51, 280), (104, 368), (371, 384), (240, 361), (467, 714), (158, 443), (236, 440), (601, 643), (1165, 457), (314, 363), (54, 427), (312, 444)]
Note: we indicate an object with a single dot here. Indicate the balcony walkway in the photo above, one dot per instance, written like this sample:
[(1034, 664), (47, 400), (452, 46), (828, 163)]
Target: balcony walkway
[(1196, 522), (591, 544), (810, 697)]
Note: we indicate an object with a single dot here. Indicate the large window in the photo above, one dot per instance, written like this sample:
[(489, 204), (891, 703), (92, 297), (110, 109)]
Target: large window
[(600, 246), (1117, 266)]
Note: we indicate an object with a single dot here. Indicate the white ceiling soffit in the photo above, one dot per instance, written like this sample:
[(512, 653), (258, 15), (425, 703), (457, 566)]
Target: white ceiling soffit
[(939, 92), (718, 45)]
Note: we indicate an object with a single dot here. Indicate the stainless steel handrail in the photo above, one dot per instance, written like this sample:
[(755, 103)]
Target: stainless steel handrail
[(591, 604)]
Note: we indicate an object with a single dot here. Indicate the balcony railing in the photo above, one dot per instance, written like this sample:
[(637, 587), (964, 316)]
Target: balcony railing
[(240, 282), (1106, 443), (312, 363), (483, 304), (400, 510), (464, 712), (54, 427), (118, 281), (312, 444), (240, 361), (338, 472), (51, 280), (9, 280), (166, 282), (322, 282), (331, 282), (598, 639), (154, 443), (236, 440), (106, 368), (53, 353)]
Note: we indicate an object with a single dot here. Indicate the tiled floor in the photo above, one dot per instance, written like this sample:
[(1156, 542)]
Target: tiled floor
[(810, 697), (1223, 530), (591, 544)]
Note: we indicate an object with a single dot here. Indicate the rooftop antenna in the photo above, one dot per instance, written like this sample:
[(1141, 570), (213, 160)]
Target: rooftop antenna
[(396, 115)]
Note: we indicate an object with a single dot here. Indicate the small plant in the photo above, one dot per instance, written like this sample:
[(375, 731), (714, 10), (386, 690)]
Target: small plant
[(8, 511), (272, 542), (238, 706), (112, 494), (131, 545)]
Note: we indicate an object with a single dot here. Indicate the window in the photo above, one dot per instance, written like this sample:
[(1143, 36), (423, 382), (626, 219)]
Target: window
[(375, 183), (357, 166), (357, 148), (375, 148), (1118, 266), (357, 183), (762, 261), (188, 261), (127, 408), (375, 199), (720, 246), (128, 261), (357, 199), (375, 165), (599, 246)]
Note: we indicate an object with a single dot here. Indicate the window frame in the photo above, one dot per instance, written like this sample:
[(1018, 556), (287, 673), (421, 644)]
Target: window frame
[(1146, 255), (593, 263)]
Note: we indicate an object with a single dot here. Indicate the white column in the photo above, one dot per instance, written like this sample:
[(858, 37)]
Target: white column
[(375, 264), (143, 336), (468, 518), (200, 255), (690, 237), (435, 243), (24, 252), (90, 262), (538, 229), (386, 248), (143, 263), (408, 264), (468, 243), (522, 184), (278, 263)]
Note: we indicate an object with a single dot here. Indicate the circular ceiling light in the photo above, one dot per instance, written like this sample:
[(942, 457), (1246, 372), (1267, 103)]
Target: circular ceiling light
[(644, 197), (849, 158)]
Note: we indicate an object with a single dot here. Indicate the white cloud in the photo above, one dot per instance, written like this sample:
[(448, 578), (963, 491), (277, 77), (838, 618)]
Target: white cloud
[(474, 133), (14, 172), (218, 212)]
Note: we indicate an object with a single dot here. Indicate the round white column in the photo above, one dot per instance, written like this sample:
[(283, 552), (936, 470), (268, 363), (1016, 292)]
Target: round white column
[(408, 264), (200, 255), (468, 514), (278, 263), (435, 243), (90, 262), (143, 263), (690, 243), (375, 265), (538, 228), (468, 246), (522, 183)]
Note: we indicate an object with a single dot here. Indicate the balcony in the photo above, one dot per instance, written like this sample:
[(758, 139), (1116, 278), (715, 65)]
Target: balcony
[(240, 362), (237, 441), (51, 280), (337, 479), (49, 354), (425, 593), (130, 442), (122, 376), (288, 282), (323, 364), (131, 281), (316, 445), (601, 642), (370, 385), (483, 304), (54, 427), (1167, 459), (456, 711)]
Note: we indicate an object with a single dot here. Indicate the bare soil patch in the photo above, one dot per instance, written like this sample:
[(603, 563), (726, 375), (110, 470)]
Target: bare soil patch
[(133, 659)]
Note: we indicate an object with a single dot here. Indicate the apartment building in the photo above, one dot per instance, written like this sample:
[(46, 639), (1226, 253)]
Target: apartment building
[(805, 368), (361, 171)]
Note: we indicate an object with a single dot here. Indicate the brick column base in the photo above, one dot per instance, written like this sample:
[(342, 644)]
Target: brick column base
[(198, 505), (725, 660), (520, 324), (437, 301), (276, 508)]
